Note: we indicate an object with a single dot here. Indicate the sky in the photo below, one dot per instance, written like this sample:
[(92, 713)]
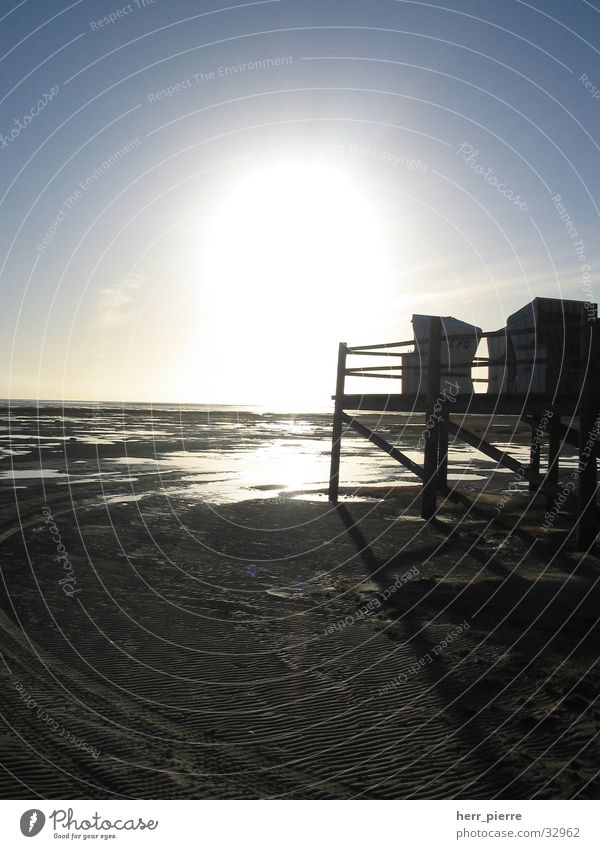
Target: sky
[(199, 201)]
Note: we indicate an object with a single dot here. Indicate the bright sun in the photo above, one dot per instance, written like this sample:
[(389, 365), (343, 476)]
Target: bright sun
[(290, 254)]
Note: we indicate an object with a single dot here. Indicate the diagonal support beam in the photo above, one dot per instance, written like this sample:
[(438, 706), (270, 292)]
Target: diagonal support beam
[(502, 458), (384, 445), (569, 435)]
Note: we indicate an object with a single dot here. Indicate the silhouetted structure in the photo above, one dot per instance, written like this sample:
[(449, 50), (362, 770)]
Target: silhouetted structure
[(542, 367)]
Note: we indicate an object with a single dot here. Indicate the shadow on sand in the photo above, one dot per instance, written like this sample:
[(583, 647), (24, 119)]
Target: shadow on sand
[(528, 617)]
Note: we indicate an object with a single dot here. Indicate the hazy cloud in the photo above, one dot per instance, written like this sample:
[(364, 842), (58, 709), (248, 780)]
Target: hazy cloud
[(117, 305)]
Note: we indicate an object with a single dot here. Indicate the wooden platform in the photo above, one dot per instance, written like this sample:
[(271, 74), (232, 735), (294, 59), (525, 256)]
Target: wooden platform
[(543, 413), (482, 404)]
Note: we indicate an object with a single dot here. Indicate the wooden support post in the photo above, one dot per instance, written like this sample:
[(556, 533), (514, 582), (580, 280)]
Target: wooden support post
[(588, 411), (430, 452), (443, 452), (554, 434), (534, 453), (336, 437)]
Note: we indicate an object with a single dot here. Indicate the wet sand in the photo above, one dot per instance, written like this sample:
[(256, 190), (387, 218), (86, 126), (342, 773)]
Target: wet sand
[(208, 626)]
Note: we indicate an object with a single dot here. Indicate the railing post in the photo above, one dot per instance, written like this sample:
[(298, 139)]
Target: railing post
[(587, 524), (430, 452), (336, 437)]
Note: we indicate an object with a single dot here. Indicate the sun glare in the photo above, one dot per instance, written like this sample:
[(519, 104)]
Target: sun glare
[(289, 254)]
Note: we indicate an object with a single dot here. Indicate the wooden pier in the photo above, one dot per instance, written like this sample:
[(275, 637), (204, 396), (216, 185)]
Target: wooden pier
[(560, 403)]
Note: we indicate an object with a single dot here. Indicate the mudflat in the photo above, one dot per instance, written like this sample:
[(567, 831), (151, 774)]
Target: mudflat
[(184, 615)]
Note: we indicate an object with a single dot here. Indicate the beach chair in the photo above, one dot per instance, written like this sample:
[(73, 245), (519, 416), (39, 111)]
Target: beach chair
[(459, 346)]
